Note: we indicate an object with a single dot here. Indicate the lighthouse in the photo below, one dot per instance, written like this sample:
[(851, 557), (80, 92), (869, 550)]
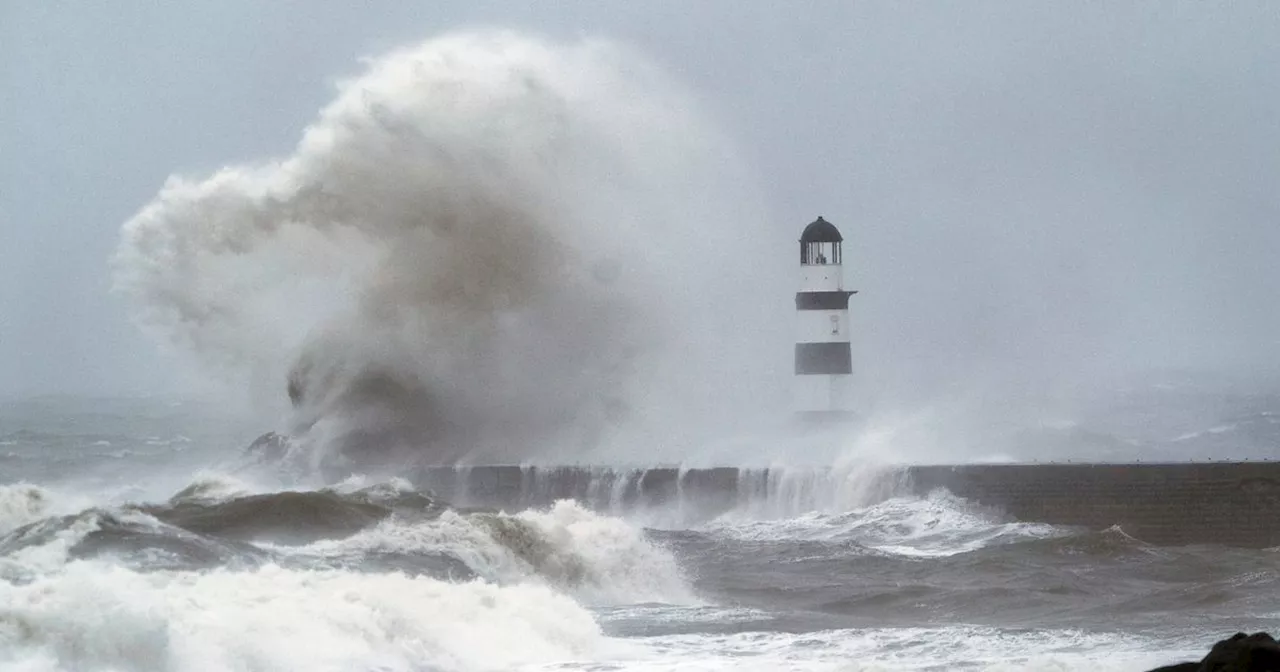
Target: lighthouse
[(824, 360)]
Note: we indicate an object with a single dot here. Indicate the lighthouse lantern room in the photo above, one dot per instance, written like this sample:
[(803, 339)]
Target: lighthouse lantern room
[(824, 362)]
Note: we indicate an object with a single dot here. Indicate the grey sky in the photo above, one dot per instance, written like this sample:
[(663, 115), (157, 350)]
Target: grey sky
[(1029, 189)]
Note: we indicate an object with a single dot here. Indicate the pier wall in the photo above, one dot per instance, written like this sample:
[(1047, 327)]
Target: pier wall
[(1229, 503)]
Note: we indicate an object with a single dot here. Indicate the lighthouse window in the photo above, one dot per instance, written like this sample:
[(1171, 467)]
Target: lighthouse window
[(819, 254)]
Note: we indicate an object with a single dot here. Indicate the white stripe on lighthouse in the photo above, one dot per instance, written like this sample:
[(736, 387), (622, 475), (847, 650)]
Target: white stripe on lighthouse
[(822, 326)]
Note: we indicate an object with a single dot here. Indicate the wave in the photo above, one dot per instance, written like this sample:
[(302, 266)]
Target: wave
[(127, 536), (97, 616), (389, 578), (939, 524), (601, 559), (909, 648), (383, 526), (1112, 542), (204, 512), (482, 246), (22, 503), (404, 581), (292, 516)]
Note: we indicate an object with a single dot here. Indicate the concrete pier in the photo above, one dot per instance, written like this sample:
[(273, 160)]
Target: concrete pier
[(1228, 503)]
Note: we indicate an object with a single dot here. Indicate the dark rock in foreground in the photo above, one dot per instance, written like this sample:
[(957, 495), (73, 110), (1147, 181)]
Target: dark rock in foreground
[(1240, 653)]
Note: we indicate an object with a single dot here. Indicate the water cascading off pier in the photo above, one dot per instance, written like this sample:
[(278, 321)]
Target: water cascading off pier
[(1229, 503)]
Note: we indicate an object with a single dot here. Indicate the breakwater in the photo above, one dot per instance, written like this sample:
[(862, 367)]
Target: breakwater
[(1229, 503)]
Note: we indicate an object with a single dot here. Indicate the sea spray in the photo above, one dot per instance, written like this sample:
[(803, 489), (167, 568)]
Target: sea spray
[(600, 559), (22, 503), (99, 617), (488, 246), (936, 525)]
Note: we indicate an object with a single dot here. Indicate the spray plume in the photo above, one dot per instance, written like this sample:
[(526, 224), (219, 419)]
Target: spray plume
[(486, 247)]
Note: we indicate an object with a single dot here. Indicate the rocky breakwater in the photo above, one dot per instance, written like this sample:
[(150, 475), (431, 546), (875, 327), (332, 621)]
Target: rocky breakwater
[(1239, 653)]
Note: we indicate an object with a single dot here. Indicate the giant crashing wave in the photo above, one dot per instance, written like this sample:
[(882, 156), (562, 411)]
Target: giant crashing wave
[(218, 522), (487, 246)]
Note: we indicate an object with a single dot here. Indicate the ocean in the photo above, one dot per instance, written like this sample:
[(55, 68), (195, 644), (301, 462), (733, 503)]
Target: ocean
[(134, 535)]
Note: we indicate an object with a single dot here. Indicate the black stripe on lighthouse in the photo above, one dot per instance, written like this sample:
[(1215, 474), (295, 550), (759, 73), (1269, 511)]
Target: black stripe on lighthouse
[(823, 300), (823, 358)]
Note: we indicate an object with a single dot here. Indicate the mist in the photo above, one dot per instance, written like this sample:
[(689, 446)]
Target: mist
[(1045, 207), (486, 247)]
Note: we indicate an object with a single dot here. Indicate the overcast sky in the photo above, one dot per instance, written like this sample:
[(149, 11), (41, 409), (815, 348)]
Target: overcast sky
[(1029, 187)]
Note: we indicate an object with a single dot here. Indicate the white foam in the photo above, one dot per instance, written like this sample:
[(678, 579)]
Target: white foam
[(600, 559), (376, 487), (46, 546), (782, 491), (20, 504), (37, 559), (622, 565), (24, 503), (95, 616), (937, 525), (211, 487), (970, 648)]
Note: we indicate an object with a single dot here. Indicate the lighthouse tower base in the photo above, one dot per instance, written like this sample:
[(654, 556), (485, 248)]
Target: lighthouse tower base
[(825, 400), (825, 392)]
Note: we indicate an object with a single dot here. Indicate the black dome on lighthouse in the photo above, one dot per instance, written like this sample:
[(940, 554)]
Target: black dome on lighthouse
[(821, 231)]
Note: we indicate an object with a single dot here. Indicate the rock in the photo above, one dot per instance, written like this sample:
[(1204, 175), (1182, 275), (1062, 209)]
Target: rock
[(1244, 653), (1240, 653)]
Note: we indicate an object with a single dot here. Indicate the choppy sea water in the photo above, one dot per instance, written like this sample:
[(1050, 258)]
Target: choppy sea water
[(130, 541)]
